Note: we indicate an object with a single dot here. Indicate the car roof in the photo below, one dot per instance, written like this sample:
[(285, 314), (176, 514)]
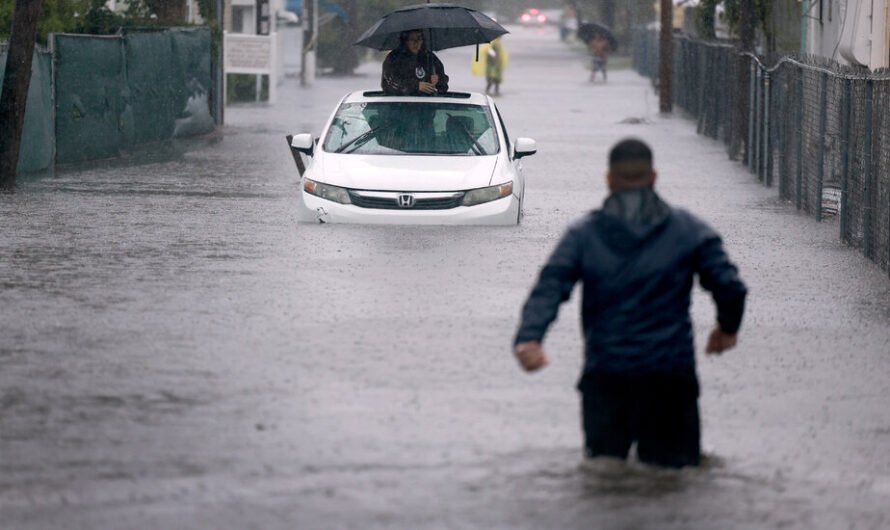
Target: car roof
[(368, 96)]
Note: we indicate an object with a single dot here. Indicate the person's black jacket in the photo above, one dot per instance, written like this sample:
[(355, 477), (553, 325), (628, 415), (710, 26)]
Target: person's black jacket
[(637, 258), (403, 71)]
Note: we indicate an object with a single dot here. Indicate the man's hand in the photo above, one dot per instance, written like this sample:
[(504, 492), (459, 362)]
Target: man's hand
[(531, 356), (434, 79), (719, 342), (427, 88)]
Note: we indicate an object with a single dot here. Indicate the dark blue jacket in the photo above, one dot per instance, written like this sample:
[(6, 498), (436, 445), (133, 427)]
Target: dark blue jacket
[(637, 258)]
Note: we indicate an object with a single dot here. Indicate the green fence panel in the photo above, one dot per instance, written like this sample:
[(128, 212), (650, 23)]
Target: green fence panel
[(191, 47), (151, 78), (38, 133), (168, 73), (89, 98)]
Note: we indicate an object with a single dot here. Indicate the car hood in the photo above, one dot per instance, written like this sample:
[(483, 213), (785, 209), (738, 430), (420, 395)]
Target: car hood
[(405, 172)]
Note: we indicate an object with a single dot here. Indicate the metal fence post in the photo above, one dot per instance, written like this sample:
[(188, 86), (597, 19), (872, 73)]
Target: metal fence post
[(751, 103), (870, 189), (720, 68), (848, 143), (758, 122), (700, 92), (823, 119), (798, 182), (766, 150)]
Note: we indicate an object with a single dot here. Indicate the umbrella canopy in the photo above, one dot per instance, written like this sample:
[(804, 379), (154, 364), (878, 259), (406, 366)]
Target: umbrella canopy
[(446, 26), (589, 30)]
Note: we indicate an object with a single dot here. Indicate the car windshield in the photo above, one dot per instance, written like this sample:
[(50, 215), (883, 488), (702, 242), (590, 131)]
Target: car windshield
[(394, 128)]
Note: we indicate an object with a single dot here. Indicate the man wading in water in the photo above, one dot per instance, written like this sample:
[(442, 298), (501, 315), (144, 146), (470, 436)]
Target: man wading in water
[(637, 258)]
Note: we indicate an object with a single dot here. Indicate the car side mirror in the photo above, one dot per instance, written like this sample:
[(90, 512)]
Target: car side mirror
[(303, 143), (524, 147)]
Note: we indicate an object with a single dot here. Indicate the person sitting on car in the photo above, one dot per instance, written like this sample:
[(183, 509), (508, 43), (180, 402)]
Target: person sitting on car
[(413, 70)]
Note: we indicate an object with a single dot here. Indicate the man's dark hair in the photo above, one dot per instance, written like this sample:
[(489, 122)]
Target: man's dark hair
[(630, 160)]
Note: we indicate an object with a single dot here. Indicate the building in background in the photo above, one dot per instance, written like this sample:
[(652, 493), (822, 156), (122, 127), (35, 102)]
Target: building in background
[(853, 32)]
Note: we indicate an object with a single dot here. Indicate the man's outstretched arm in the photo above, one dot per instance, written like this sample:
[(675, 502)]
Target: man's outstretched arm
[(719, 276), (554, 286)]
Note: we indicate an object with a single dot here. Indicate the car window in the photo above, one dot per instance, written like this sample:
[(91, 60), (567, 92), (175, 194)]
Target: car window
[(386, 128)]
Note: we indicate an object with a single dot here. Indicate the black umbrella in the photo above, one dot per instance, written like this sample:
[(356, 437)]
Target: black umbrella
[(589, 30), (446, 26)]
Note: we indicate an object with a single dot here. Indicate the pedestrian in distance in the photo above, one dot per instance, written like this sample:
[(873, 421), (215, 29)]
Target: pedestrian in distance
[(413, 70), (495, 63), (637, 258), (599, 49)]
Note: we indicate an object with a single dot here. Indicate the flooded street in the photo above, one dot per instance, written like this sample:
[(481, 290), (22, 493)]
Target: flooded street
[(177, 351)]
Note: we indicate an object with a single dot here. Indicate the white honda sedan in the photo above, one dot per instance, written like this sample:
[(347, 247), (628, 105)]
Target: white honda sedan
[(444, 159)]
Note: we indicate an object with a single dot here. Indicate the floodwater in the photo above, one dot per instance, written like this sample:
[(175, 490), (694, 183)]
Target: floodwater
[(177, 351)]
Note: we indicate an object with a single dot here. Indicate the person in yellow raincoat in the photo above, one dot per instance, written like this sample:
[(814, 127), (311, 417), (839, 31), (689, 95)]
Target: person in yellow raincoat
[(492, 61)]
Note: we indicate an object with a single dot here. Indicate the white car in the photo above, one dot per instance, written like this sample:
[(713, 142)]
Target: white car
[(444, 159)]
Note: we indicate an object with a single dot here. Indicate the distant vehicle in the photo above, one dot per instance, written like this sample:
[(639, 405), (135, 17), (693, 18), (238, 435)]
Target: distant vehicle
[(533, 17), (552, 16), (443, 159)]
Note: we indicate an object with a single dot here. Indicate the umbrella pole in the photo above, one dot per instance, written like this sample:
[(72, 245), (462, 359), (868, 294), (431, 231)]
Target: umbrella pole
[(477, 52), (430, 65)]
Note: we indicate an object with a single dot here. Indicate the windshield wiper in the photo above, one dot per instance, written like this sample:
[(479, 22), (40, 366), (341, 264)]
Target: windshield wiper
[(362, 139), (477, 147)]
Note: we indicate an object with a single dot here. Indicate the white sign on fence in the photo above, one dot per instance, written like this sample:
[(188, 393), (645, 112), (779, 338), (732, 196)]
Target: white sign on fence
[(252, 54)]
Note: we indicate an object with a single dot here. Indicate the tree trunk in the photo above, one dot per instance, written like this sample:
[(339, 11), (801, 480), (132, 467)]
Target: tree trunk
[(743, 90), (17, 79), (169, 11), (666, 58), (707, 18), (747, 22)]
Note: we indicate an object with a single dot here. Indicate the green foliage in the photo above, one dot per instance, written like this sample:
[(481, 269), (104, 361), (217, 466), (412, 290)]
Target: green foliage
[(242, 88), (79, 16), (335, 52), (761, 14), (55, 16), (207, 9), (335, 49), (706, 17)]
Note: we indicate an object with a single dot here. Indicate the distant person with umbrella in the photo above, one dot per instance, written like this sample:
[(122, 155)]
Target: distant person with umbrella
[(599, 51), (600, 43), (413, 70)]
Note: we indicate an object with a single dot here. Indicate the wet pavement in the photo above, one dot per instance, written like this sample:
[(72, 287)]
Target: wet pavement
[(177, 351)]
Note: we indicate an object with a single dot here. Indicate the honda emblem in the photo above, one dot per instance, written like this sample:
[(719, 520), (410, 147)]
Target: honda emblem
[(406, 200)]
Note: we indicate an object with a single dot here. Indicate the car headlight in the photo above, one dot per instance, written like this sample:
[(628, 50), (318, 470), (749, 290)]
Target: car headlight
[(326, 191), (491, 193)]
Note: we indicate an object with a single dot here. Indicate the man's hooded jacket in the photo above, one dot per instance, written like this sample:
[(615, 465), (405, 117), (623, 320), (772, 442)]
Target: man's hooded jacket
[(637, 258)]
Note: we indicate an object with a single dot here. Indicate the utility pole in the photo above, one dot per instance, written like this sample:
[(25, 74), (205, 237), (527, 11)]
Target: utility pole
[(666, 58), (17, 79), (746, 25), (310, 41), (743, 90)]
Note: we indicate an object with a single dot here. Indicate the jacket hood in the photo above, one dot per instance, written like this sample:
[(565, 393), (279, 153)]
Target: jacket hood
[(628, 218)]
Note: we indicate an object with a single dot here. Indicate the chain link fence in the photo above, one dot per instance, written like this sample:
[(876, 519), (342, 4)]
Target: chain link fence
[(818, 131)]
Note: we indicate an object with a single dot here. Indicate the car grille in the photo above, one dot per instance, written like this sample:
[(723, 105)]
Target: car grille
[(390, 200)]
